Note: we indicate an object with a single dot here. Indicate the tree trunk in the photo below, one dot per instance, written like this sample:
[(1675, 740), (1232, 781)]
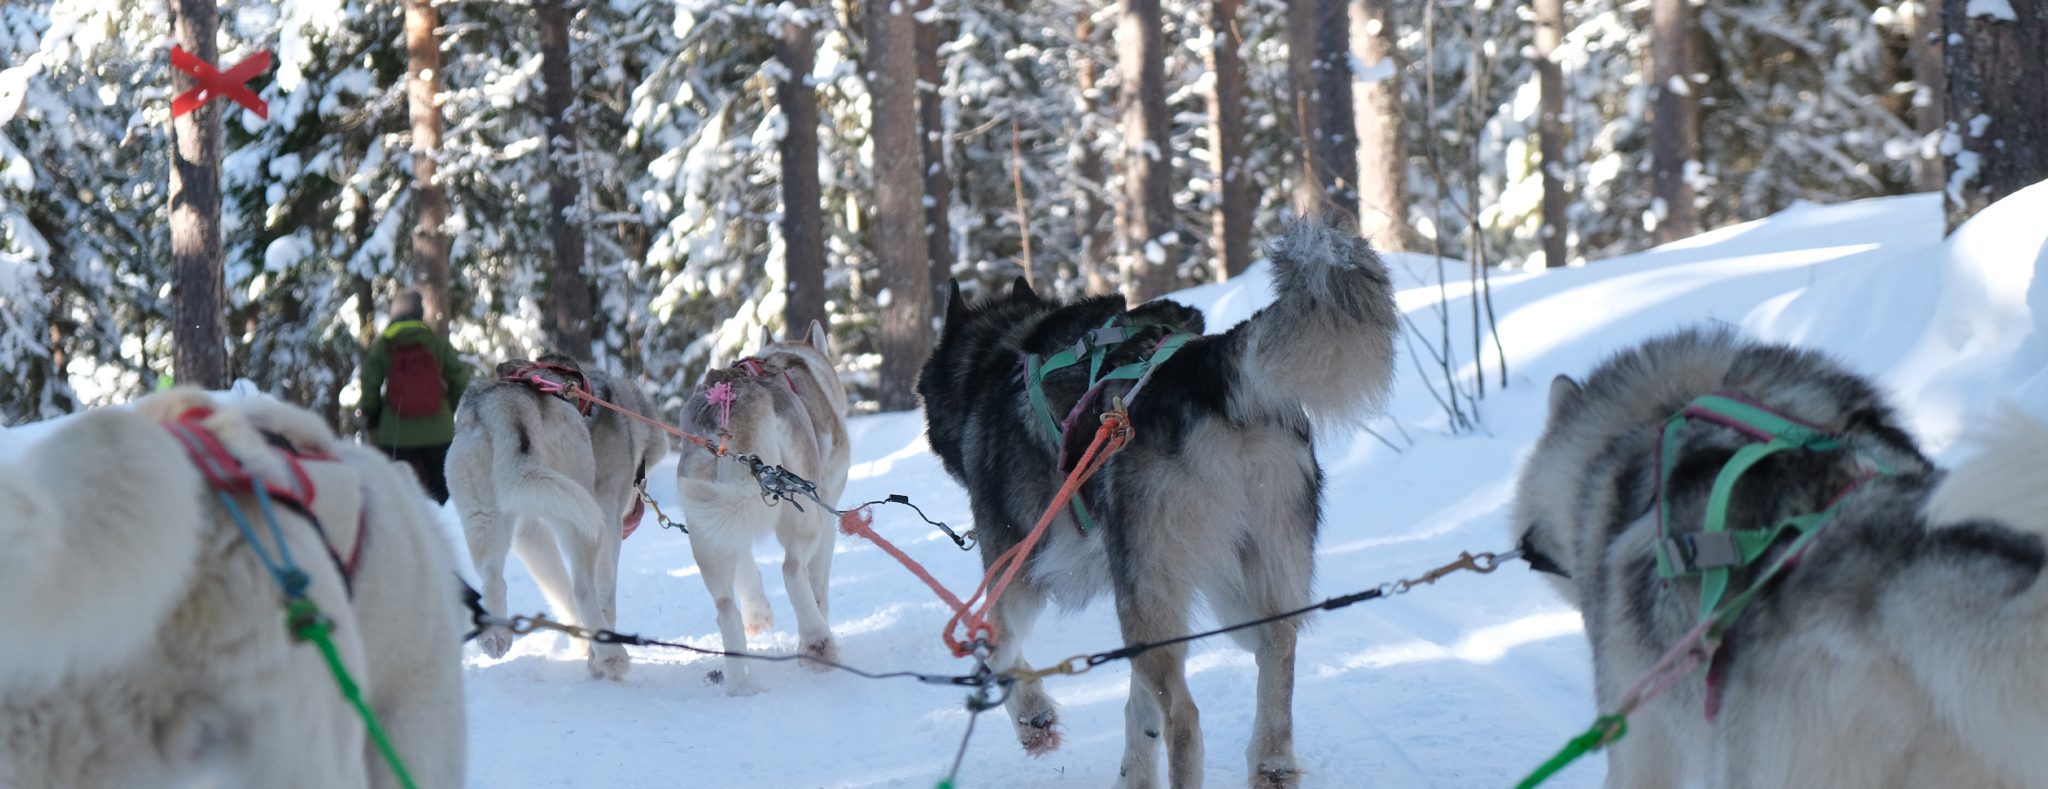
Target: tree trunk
[(569, 288), (429, 201), (1096, 231), (1674, 129), (1550, 129), (899, 201), (938, 186), (1382, 152), (1234, 204), (1336, 128), (198, 289), (1997, 104), (1148, 168), (803, 234), (1924, 47), (1305, 188)]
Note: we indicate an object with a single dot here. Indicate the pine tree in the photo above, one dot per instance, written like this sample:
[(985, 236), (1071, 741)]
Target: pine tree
[(803, 235), (1147, 219), (899, 211), (1997, 141), (1382, 146), (1674, 138), (1550, 133), (1232, 220), (197, 289), (429, 201)]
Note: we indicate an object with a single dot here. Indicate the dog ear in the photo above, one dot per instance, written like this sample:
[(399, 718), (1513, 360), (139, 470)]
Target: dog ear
[(1020, 290), (955, 306), (1563, 390), (819, 339), (767, 338)]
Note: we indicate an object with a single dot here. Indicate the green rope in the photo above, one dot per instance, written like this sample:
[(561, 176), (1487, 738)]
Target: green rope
[(1606, 729), (306, 623)]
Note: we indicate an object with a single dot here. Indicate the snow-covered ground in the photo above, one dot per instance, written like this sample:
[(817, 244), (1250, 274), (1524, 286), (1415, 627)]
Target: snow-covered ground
[(1469, 683)]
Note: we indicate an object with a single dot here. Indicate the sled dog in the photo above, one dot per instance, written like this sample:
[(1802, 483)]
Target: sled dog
[(552, 477), (145, 642), (1218, 493), (1904, 646), (786, 406)]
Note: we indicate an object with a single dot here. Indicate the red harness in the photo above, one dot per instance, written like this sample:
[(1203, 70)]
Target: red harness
[(554, 379), (757, 370), (223, 471)]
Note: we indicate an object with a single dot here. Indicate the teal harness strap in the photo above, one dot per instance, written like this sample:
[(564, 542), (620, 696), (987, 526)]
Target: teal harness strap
[(1093, 347), (1714, 552)]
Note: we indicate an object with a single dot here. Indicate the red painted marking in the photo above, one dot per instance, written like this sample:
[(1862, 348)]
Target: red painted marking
[(214, 83)]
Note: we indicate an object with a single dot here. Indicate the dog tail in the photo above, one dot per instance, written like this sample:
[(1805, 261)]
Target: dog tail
[(2007, 481), (526, 486), (101, 525), (1326, 342)]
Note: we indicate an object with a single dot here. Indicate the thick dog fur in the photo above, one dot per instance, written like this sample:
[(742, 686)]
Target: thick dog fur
[(527, 471), (145, 644), (794, 416), (1218, 494), (1903, 650)]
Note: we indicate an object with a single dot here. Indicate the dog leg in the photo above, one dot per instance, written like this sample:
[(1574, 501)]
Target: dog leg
[(1142, 725), (1157, 612), (490, 536), (1271, 752), (585, 551), (1031, 710), (821, 569), (536, 548), (718, 564), (800, 536), (753, 596)]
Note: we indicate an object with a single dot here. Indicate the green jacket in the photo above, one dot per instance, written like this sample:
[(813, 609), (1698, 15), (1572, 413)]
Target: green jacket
[(426, 431)]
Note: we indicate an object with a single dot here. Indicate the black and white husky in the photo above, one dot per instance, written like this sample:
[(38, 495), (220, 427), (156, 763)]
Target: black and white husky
[(1218, 493), (1905, 648)]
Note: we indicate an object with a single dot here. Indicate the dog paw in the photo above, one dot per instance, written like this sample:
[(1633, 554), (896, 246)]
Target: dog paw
[(495, 642), (1276, 772), (822, 649), (758, 624), (1039, 733), (609, 661)]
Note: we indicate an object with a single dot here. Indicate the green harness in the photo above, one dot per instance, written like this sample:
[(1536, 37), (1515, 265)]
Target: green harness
[(1095, 348), (1714, 551)]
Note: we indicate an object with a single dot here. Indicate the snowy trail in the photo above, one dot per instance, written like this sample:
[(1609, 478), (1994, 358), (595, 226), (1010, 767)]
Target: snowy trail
[(1467, 683)]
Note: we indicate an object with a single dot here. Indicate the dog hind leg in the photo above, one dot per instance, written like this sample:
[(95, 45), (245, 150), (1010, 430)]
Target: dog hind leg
[(1031, 710), (720, 564), (585, 549), (490, 537), (1158, 611), (753, 596), (800, 536), (821, 567)]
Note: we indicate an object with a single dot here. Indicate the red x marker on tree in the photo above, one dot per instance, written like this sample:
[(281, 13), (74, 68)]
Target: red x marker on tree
[(214, 83)]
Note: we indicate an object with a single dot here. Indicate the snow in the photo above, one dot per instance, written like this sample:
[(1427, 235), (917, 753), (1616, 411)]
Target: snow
[(1996, 9), (1467, 683)]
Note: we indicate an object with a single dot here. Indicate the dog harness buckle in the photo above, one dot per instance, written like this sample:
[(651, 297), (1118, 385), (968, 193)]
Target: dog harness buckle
[(1704, 550)]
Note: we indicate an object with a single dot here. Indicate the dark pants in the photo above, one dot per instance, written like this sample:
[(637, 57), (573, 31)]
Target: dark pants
[(429, 464)]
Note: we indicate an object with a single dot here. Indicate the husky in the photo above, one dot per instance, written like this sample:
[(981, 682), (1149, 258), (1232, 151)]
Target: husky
[(786, 406), (146, 644), (552, 476), (1902, 649), (1218, 493)]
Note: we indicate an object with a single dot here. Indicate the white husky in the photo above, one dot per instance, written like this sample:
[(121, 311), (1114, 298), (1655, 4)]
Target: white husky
[(787, 407), (145, 644)]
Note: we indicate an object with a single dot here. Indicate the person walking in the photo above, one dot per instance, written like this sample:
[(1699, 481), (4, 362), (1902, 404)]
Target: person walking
[(412, 381)]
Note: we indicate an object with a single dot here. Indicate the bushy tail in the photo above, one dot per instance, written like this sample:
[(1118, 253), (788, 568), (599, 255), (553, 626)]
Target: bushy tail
[(100, 525), (526, 486), (2007, 481), (1326, 342)]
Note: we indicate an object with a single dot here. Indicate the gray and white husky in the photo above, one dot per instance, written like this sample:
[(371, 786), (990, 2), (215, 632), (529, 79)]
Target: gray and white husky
[(1218, 493), (142, 642), (1903, 649), (529, 470), (786, 406)]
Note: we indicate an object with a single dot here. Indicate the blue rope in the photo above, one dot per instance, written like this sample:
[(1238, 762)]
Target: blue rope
[(282, 568)]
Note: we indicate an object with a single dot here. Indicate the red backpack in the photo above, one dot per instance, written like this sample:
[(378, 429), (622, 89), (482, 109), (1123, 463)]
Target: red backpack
[(414, 388)]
